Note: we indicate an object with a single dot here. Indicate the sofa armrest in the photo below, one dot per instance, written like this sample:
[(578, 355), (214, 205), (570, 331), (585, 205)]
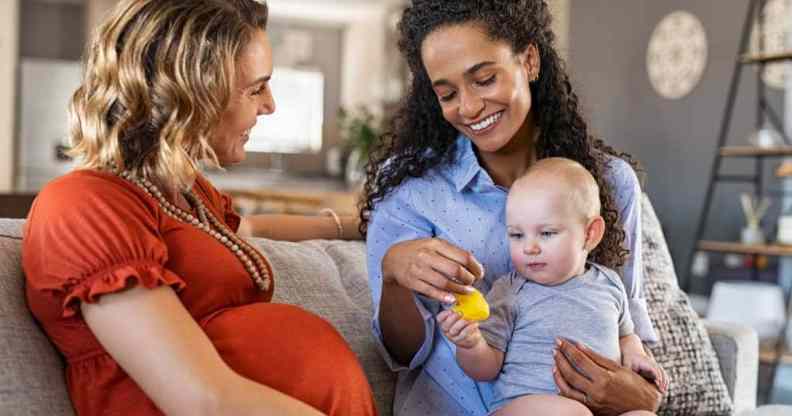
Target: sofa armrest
[(737, 347)]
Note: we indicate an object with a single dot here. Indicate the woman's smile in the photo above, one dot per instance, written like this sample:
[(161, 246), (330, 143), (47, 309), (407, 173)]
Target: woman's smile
[(486, 125)]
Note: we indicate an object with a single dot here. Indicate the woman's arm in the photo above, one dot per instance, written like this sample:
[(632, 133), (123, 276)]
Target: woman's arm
[(425, 267), (401, 323), (405, 261), (299, 227), (156, 341), (627, 193)]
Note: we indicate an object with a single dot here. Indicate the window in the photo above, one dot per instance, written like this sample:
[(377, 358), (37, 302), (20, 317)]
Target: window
[(296, 125)]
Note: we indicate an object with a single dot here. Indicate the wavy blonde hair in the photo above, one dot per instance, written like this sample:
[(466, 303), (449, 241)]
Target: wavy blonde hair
[(157, 77)]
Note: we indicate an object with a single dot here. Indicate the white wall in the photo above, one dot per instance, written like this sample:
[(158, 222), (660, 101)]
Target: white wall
[(363, 61), (9, 25), (560, 10)]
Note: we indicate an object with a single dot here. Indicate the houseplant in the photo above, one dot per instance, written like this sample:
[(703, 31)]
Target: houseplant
[(358, 129)]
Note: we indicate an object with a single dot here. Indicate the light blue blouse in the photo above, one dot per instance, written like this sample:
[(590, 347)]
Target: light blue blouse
[(461, 204)]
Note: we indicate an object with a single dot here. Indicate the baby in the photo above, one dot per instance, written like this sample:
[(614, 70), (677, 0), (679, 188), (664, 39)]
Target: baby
[(553, 223)]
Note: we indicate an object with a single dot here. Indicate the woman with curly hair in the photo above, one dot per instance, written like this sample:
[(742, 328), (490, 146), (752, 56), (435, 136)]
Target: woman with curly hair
[(134, 263), (489, 96)]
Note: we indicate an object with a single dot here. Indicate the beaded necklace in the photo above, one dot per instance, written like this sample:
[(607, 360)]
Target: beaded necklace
[(249, 257)]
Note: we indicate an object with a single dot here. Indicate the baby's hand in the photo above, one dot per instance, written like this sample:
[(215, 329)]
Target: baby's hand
[(465, 334), (647, 368)]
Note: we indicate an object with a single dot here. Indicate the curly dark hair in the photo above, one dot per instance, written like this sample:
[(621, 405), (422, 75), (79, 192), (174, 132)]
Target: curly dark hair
[(418, 124)]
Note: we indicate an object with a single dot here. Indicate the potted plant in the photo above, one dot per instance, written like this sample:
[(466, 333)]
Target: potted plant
[(359, 130)]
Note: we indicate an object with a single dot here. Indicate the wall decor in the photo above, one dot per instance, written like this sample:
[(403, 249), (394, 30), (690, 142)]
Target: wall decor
[(677, 55), (775, 31)]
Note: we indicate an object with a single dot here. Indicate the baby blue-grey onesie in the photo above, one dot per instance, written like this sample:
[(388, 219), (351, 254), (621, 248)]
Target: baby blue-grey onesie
[(526, 318)]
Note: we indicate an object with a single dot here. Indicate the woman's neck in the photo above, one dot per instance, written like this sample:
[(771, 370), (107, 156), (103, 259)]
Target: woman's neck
[(176, 195), (510, 162)]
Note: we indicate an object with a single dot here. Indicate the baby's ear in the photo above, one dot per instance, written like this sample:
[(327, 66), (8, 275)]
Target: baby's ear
[(594, 232)]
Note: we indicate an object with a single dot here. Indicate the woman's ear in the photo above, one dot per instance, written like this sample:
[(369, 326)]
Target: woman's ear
[(594, 232), (530, 58)]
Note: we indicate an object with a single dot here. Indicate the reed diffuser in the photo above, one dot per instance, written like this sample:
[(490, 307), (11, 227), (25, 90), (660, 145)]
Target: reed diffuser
[(753, 210)]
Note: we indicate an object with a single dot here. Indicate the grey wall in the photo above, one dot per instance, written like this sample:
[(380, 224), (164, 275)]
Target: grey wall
[(674, 139), (52, 30)]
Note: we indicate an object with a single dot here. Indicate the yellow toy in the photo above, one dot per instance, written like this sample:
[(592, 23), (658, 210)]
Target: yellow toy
[(472, 306)]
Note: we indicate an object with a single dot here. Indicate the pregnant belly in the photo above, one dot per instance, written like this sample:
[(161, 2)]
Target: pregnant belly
[(290, 350)]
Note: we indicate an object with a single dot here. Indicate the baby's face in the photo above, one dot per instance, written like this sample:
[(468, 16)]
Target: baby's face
[(547, 235)]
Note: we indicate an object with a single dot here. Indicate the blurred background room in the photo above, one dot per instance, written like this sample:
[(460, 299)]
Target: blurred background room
[(696, 90)]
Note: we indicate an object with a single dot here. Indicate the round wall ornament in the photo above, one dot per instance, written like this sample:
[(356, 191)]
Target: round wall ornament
[(775, 30), (677, 55)]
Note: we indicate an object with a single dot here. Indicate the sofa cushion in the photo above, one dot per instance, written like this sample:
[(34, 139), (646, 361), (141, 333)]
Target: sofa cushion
[(31, 370), (329, 279), (684, 349)]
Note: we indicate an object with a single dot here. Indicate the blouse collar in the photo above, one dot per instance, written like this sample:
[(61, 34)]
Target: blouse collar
[(467, 167)]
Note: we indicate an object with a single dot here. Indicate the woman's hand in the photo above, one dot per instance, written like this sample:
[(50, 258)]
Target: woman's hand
[(351, 227), (432, 267), (603, 385)]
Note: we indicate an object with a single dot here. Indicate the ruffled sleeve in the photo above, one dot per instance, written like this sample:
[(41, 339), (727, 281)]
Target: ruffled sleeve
[(219, 202), (89, 234), (144, 273)]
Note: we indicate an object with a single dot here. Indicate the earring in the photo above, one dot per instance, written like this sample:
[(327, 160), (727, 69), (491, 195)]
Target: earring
[(534, 76)]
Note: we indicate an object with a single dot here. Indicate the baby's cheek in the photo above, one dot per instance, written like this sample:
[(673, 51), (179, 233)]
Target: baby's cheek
[(516, 255)]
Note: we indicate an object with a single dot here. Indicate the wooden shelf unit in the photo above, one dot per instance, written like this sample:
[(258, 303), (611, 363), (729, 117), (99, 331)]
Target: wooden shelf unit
[(765, 58), (754, 151), (739, 248), (768, 355), (754, 20)]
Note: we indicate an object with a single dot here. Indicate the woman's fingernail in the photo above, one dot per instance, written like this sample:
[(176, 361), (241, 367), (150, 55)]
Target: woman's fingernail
[(558, 342), (449, 299), (469, 289)]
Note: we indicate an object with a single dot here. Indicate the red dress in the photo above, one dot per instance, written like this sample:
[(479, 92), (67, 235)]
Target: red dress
[(91, 233)]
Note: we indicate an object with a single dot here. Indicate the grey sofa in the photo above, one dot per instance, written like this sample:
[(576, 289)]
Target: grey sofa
[(326, 277)]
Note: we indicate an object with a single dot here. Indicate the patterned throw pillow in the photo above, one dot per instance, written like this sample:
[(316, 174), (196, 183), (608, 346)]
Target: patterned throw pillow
[(684, 349)]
